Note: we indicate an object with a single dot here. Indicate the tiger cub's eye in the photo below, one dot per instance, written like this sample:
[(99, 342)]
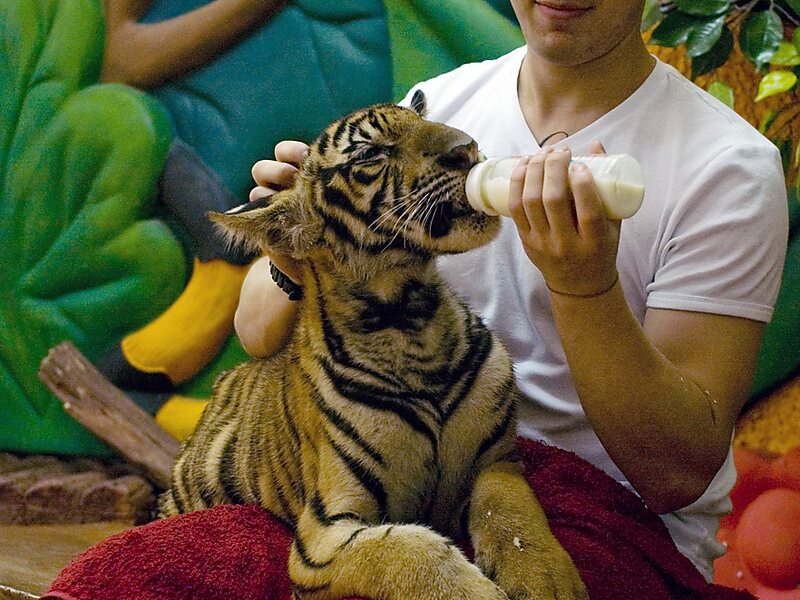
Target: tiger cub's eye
[(371, 154)]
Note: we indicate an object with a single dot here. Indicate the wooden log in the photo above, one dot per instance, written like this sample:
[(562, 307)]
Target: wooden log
[(120, 499), (107, 412), (51, 490), (59, 499), (14, 486), (10, 463), (10, 593)]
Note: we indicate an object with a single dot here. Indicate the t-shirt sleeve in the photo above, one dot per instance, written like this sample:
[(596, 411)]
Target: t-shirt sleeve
[(724, 246)]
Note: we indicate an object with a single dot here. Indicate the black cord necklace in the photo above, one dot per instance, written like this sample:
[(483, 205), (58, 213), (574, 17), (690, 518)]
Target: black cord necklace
[(547, 137)]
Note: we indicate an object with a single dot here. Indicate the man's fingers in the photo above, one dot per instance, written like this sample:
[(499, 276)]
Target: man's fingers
[(273, 174), (260, 192), (588, 206), (596, 148), (532, 196), (291, 151), (556, 197)]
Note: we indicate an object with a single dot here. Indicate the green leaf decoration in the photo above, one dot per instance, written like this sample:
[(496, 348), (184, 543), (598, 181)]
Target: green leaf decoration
[(651, 15), (786, 56), (702, 39), (775, 82), (80, 258), (722, 92), (767, 120), (714, 58), (796, 157), (794, 5), (704, 8), (760, 37), (674, 30), (785, 148), (504, 8)]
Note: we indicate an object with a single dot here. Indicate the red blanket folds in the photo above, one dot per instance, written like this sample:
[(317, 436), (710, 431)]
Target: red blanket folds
[(622, 550)]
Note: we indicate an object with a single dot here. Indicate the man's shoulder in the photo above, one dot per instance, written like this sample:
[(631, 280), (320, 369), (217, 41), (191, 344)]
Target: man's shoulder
[(688, 110)]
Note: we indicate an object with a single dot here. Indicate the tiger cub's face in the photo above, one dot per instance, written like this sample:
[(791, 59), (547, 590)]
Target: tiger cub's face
[(380, 179)]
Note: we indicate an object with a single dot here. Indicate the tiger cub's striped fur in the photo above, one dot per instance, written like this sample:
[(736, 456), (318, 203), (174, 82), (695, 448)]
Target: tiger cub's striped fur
[(388, 422)]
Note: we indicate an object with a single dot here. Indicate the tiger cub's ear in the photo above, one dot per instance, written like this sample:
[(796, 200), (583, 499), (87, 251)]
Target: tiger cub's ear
[(277, 223), (419, 103)]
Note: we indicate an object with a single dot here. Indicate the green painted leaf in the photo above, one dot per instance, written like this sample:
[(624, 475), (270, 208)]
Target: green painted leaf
[(504, 7), (780, 353), (796, 38), (232, 354), (714, 58), (703, 38), (760, 37), (427, 38), (722, 92), (335, 57), (704, 8), (674, 30), (786, 56), (775, 82), (78, 248)]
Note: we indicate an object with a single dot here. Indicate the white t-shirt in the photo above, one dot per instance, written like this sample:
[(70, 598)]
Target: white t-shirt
[(710, 237)]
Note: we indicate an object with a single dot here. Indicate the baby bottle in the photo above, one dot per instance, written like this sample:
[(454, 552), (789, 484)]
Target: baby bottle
[(618, 177)]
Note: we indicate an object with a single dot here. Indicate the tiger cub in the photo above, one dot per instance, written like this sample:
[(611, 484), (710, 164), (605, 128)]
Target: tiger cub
[(388, 421)]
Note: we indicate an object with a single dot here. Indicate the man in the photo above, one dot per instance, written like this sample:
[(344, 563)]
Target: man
[(634, 343)]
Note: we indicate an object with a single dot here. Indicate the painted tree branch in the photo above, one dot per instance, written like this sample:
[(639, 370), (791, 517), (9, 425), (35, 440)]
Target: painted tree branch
[(108, 412)]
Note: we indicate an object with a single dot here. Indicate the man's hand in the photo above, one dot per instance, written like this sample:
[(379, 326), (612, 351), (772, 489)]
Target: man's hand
[(275, 175), (562, 224)]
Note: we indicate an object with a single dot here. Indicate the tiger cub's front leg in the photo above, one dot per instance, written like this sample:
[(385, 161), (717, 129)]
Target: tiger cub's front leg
[(513, 542), (338, 556)]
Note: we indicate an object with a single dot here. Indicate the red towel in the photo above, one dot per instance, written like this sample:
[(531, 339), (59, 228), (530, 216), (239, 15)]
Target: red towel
[(622, 550)]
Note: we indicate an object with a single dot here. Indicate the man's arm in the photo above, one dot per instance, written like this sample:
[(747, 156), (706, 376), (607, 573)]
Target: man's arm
[(146, 55), (662, 398), (265, 318)]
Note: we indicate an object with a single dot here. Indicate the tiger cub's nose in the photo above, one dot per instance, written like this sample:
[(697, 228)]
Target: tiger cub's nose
[(462, 156)]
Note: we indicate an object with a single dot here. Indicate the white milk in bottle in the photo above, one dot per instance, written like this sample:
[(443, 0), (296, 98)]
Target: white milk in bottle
[(619, 180)]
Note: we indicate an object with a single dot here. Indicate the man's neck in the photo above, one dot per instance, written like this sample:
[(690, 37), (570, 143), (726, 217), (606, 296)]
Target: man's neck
[(556, 98)]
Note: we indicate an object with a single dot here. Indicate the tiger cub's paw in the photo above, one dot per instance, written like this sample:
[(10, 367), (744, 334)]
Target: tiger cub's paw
[(440, 571), (550, 575), (475, 585)]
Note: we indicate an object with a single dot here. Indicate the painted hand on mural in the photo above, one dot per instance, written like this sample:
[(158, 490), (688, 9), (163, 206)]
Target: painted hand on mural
[(147, 55)]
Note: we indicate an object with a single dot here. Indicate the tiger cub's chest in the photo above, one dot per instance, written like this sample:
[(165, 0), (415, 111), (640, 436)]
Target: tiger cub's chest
[(415, 426)]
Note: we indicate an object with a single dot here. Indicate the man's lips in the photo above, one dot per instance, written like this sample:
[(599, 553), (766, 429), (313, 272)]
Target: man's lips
[(561, 10)]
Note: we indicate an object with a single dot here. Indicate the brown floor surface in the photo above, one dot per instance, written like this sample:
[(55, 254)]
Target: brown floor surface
[(32, 555)]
